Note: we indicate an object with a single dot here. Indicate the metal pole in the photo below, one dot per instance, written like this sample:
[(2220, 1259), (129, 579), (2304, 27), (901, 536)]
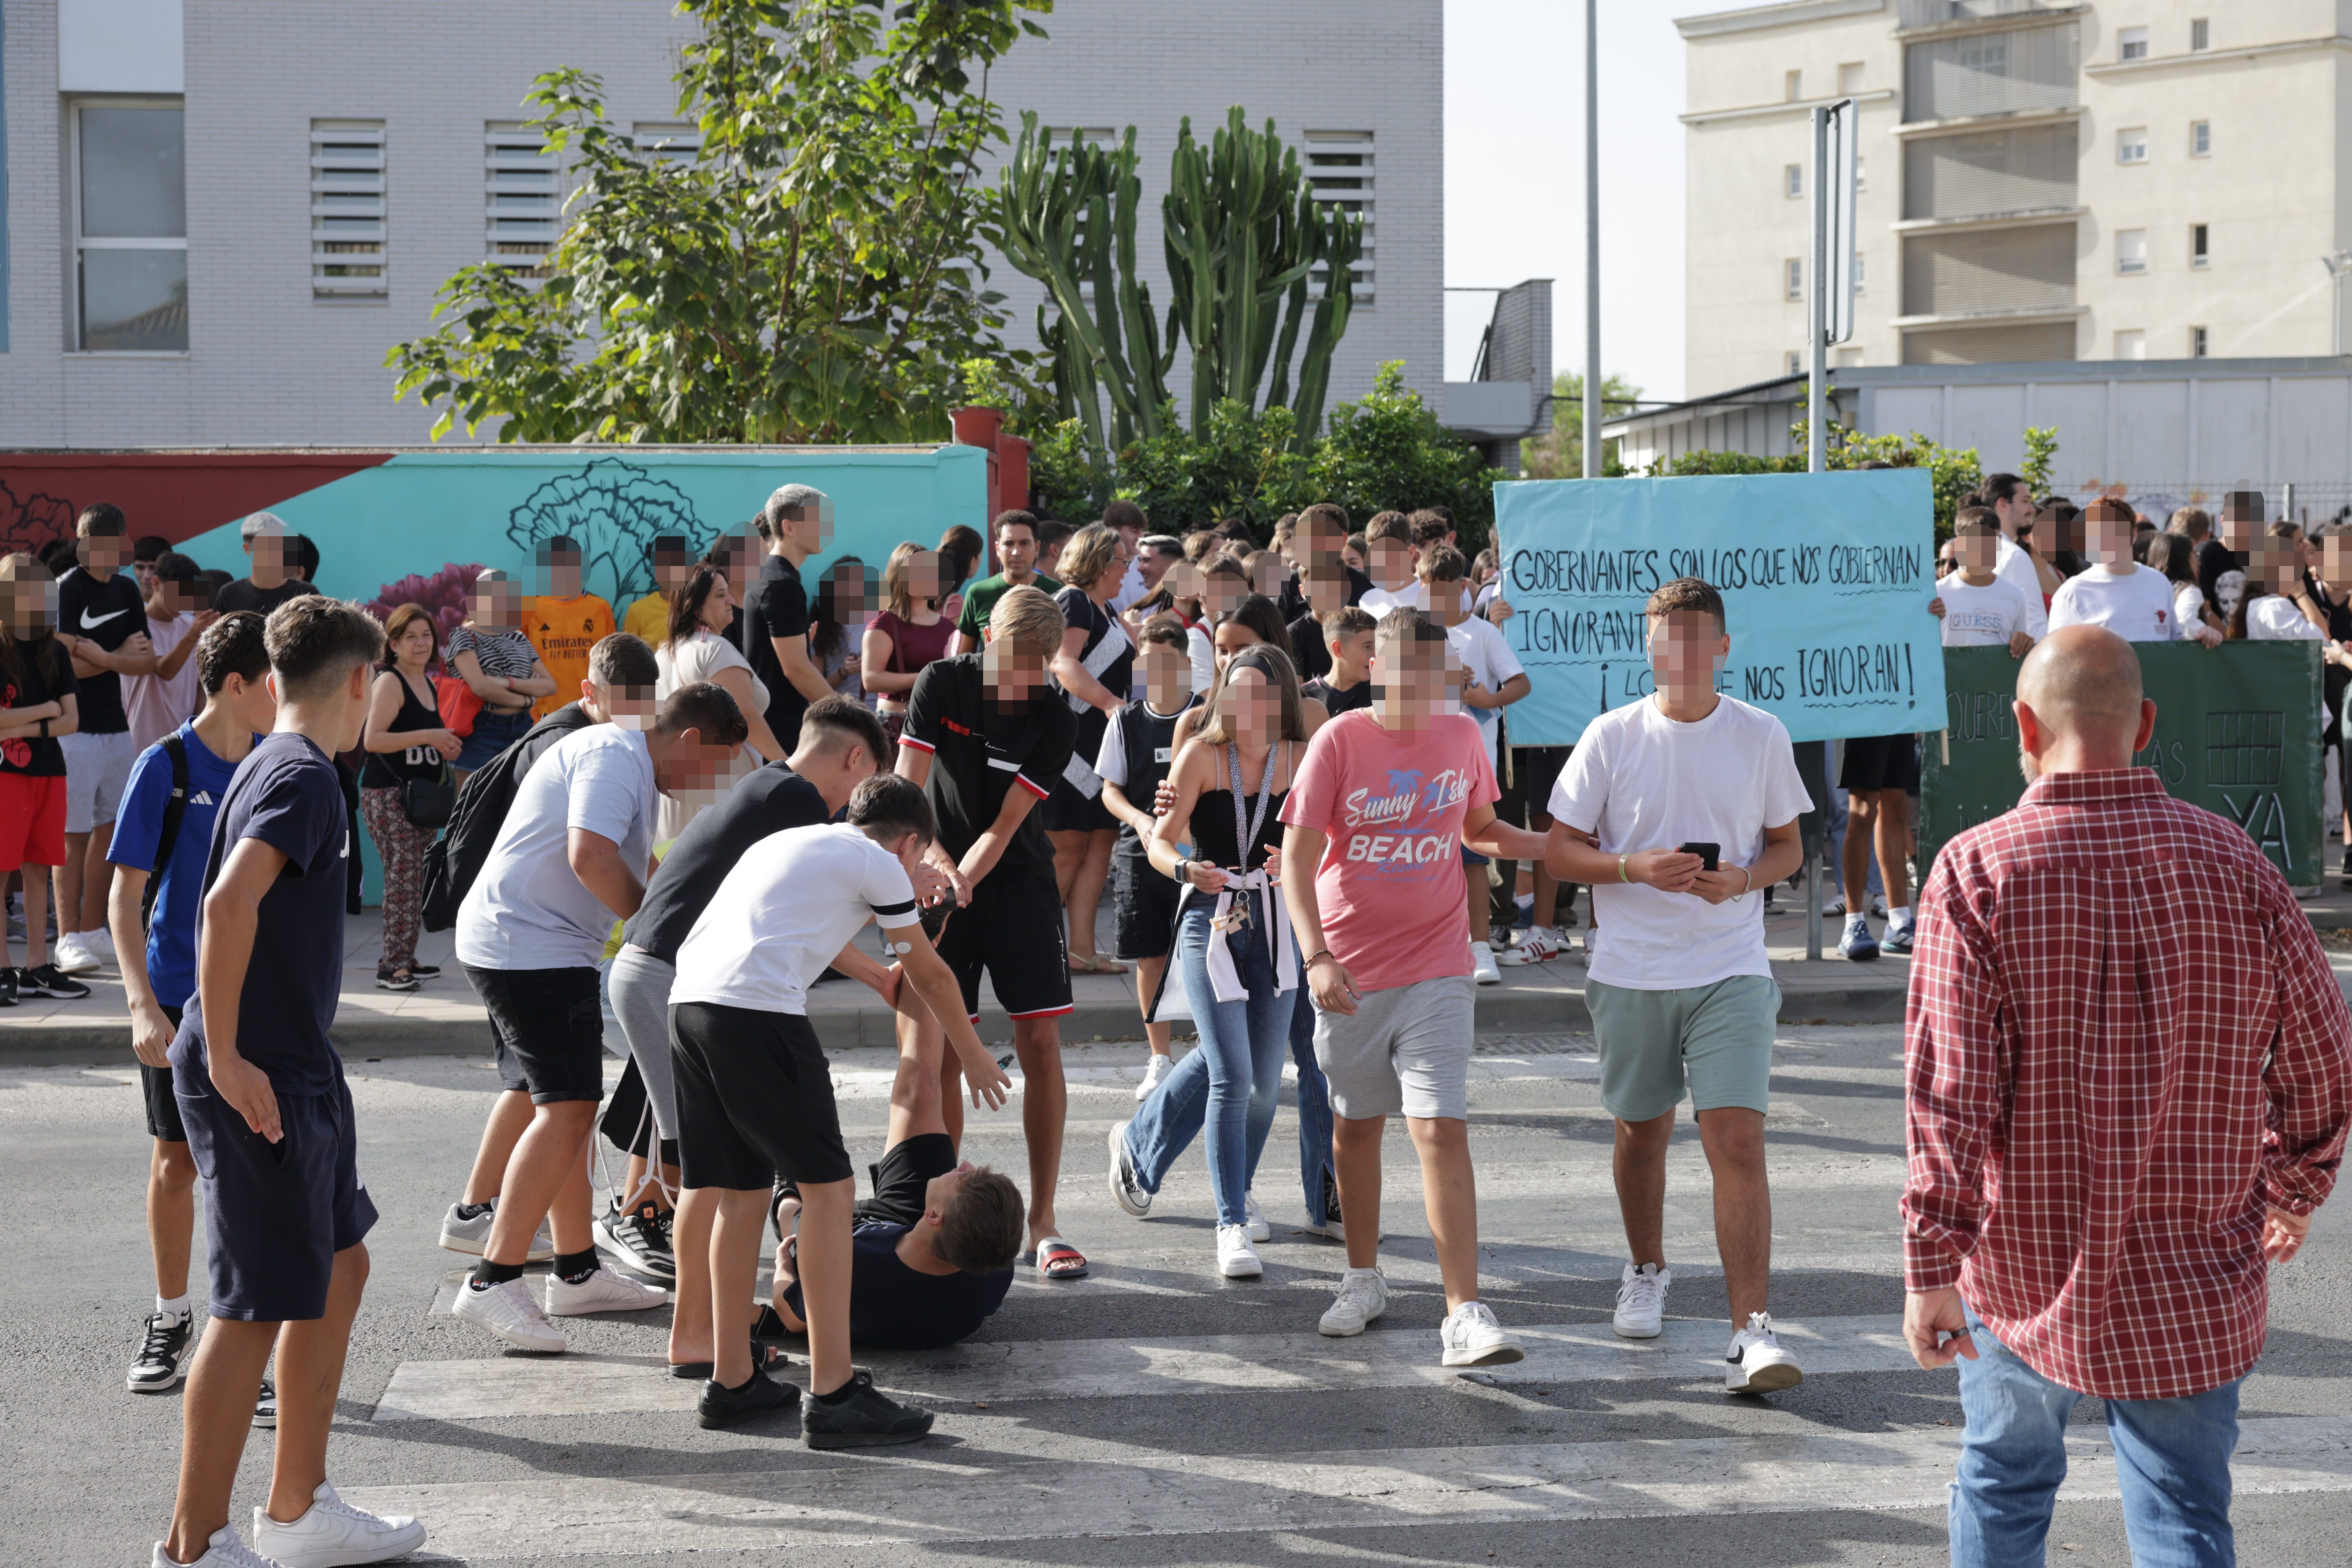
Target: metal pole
[(1817, 292), (1592, 411)]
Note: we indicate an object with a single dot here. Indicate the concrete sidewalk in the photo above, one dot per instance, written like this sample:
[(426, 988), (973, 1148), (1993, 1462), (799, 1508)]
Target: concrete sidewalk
[(442, 1017)]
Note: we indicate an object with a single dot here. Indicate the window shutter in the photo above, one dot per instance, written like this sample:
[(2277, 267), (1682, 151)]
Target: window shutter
[(522, 201), (1992, 73), (347, 209), (1987, 172), (1997, 269), (1339, 170)]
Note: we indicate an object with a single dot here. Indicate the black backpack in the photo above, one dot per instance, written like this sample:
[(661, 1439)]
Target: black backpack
[(176, 749), (453, 860)]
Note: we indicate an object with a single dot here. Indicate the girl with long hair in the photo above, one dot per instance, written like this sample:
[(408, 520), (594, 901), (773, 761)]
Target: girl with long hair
[(910, 631), (39, 700), (838, 620), (1095, 670), (698, 649)]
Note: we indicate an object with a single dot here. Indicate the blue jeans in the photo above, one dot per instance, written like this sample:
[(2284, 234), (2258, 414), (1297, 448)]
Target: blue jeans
[(493, 733), (1181, 1105), (2172, 1456)]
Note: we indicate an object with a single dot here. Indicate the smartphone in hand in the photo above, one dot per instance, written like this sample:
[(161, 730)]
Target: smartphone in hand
[(1709, 852)]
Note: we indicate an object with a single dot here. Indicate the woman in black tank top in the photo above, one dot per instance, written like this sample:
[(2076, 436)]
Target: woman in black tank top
[(1234, 943), (405, 740)]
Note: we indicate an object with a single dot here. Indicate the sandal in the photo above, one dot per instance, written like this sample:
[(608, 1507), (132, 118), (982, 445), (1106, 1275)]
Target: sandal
[(1057, 1260), (1096, 964)]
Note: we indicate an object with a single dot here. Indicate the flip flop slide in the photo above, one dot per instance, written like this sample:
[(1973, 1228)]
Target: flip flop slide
[(1057, 1260)]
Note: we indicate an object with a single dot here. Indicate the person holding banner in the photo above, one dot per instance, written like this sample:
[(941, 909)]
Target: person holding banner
[(1674, 809)]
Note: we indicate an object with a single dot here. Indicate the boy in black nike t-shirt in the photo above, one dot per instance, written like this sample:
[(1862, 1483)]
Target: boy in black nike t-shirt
[(987, 738), (1135, 756)]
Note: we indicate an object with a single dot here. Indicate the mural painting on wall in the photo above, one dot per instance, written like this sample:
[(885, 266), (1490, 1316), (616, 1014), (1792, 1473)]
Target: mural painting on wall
[(32, 521), (445, 596), (615, 510)]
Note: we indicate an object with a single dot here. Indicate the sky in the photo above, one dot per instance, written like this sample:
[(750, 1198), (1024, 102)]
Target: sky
[(1514, 177)]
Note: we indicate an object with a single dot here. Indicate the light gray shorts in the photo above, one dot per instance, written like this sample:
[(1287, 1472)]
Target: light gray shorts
[(97, 771), (1406, 1049), (1714, 1040)]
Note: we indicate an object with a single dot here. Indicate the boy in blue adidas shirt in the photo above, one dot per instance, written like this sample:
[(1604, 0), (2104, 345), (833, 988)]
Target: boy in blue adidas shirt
[(158, 951)]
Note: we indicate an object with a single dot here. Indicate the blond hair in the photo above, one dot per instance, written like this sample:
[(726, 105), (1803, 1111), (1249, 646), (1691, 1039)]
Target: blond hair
[(897, 590), (1089, 553), (1029, 621)]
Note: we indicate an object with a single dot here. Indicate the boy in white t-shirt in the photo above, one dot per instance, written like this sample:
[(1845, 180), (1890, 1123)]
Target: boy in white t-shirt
[(1680, 990), (1486, 676), (1980, 608), (2130, 600)]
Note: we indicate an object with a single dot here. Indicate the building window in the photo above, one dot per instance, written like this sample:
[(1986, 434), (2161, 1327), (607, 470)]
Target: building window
[(668, 141), (2201, 38), (521, 199), (1861, 174), (1792, 180), (2200, 138), (2131, 43), (1796, 362), (2131, 250), (2131, 145), (131, 228), (2198, 253), (2197, 334), (1849, 78), (346, 208), (1793, 278), (1340, 167), (1792, 86), (2132, 344)]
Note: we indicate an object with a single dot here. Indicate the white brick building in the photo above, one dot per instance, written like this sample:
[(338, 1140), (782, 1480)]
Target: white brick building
[(142, 136)]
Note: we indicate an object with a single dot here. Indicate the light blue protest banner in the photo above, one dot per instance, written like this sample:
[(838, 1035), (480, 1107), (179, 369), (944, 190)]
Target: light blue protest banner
[(1826, 579)]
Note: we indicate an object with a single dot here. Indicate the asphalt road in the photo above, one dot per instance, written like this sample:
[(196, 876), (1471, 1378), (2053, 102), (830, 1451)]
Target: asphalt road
[(1153, 1414)]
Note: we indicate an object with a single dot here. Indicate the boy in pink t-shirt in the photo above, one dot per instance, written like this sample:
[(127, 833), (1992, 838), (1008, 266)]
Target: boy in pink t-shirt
[(1385, 801)]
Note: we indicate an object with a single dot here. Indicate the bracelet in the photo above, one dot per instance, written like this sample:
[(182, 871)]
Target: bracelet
[(1183, 871), (1747, 884), (1620, 869), (1317, 956)]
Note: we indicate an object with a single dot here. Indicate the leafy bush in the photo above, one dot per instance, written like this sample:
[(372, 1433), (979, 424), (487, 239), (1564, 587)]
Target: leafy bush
[(1954, 471)]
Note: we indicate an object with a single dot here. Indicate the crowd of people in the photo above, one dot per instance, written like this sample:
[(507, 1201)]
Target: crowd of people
[(1290, 769)]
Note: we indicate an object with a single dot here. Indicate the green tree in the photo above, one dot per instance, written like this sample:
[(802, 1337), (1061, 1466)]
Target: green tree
[(1954, 471), (1387, 450), (1558, 452), (812, 273)]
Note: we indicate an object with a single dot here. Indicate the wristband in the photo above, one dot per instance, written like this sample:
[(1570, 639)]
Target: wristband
[(1620, 869), (1317, 956), (45, 728)]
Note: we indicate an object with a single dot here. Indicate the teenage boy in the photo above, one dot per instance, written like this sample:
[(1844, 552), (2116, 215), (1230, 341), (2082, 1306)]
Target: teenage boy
[(1981, 609), (795, 525), (1389, 538), (268, 1118), (1052, 534), (102, 624), (565, 622), (1325, 583), (1346, 639), (178, 796), (570, 857), (270, 544), (159, 701), (755, 1094), (672, 559), (841, 746), (1489, 677), (1016, 533), (1134, 759), (2132, 601), (1372, 872), (1681, 994), (986, 738)]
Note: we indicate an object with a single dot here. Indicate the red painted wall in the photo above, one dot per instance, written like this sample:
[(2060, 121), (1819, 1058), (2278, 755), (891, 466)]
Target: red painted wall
[(175, 494)]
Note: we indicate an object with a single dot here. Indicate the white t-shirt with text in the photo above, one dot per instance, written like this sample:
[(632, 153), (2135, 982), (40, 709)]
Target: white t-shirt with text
[(1985, 617), (788, 907), (2136, 605), (527, 910)]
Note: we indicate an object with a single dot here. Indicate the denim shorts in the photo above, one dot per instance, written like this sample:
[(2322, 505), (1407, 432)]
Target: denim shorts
[(493, 733)]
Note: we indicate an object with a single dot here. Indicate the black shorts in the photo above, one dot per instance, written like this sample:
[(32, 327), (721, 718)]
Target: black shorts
[(163, 1122), (1142, 904), (1538, 768), (547, 1027), (754, 1100), (276, 1213), (1881, 761), (1012, 930), (1067, 811)]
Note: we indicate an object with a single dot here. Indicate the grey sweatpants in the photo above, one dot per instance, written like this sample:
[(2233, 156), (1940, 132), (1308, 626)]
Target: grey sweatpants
[(640, 984)]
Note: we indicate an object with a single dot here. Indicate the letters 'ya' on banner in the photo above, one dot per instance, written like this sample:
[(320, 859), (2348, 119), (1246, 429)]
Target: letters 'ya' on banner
[(1826, 578)]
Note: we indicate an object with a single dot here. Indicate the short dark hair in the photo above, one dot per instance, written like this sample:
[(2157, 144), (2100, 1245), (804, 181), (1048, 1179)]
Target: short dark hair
[(1125, 514), (1441, 563), (314, 641), (173, 567), (1393, 526), (2000, 487), (1431, 524), (306, 556), (100, 520), (1166, 630), (890, 807), (703, 708), (1402, 623), (1052, 531), (982, 1229), (1345, 622), (843, 720), (150, 547), (1015, 518), (1685, 593), (1324, 515), (623, 662), (675, 544), (233, 645), (562, 541)]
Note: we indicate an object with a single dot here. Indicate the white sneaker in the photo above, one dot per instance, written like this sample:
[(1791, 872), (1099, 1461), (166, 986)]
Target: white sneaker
[(72, 957), (1472, 1338), (227, 1549), (1126, 1187), (469, 1236), (1541, 944), (1756, 1363), (1642, 1301), (1259, 1229), (602, 1291), (1236, 1259), (508, 1311), (1482, 962), (99, 943), (1363, 1296), (332, 1533), (1154, 1070)]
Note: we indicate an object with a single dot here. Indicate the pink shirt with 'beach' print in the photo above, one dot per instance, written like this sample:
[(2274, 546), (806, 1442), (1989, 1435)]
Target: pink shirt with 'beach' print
[(1389, 803)]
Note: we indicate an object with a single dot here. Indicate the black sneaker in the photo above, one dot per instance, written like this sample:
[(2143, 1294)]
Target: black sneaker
[(424, 970), (265, 1407), (864, 1420), (49, 981), (157, 1369), (638, 1240), (7, 988), (717, 1405)]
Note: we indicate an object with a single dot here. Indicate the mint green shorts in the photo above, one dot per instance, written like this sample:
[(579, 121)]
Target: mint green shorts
[(1716, 1041)]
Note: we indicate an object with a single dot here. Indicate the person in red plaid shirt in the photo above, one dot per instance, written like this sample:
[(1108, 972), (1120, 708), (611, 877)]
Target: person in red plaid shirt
[(2129, 1072)]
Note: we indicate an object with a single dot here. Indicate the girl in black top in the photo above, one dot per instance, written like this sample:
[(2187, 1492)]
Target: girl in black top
[(1095, 670), (405, 740)]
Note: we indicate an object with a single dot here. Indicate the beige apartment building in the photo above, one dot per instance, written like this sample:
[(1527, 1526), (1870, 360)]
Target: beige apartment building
[(2143, 178)]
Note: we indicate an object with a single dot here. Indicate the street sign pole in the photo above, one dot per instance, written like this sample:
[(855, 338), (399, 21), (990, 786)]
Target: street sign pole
[(1592, 410), (1830, 320)]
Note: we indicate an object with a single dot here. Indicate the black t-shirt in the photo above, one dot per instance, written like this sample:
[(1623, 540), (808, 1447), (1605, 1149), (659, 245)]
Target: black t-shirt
[(1293, 601), (2213, 558), (241, 594), (767, 800), (47, 676), (1336, 701), (1108, 656), (777, 607), (389, 770), (891, 1306), (107, 614), (1307, 647), (978, 750)]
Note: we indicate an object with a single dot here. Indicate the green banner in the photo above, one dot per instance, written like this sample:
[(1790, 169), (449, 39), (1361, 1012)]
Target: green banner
[(2237, 731)]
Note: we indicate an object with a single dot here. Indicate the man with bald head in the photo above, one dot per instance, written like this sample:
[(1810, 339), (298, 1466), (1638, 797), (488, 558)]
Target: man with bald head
[(2129, 1073)]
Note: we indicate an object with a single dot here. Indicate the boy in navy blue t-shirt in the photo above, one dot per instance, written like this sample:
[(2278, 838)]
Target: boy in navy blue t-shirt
[(268, 1118), (158, 951)]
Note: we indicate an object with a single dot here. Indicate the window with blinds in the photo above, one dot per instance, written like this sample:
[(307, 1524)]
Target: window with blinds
[(1992, 73), (666, 142), (523, 199), (2029, 269), (1983, 172), (1991, 345), (347, 209), (1340, 168)]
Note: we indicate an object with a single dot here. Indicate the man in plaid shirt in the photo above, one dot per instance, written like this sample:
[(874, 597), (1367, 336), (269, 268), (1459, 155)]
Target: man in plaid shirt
[(2129, 1072)]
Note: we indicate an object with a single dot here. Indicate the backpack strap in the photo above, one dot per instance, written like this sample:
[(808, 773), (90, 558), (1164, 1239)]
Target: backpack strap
[(176, 748)]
